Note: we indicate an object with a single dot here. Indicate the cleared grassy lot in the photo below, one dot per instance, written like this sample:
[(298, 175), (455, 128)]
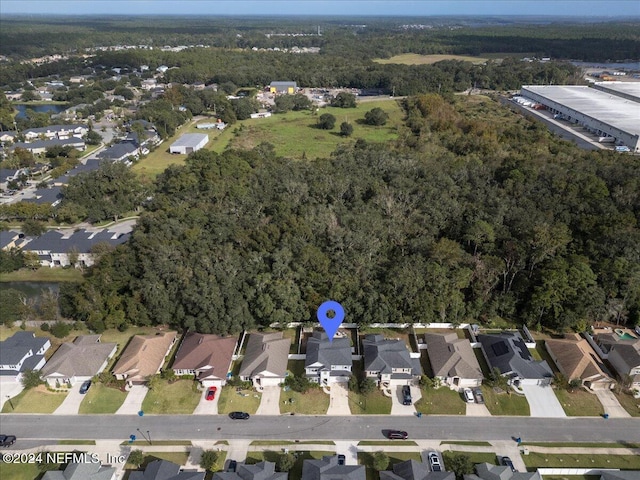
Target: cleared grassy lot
[(441, 401), (102, 399), (313, 402), (43, 274), (179, 397), (505, 403), (35, 400), (19, 471), (417, 59), (374, 403), (476, 457), (624, 462), (579, 403), (242, 401)]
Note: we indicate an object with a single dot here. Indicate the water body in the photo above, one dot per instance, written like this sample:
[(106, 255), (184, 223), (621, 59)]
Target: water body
[(52, 109), (635, 66), (30, 289)]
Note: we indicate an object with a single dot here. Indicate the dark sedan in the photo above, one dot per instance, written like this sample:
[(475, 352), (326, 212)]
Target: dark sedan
[(239, 416)]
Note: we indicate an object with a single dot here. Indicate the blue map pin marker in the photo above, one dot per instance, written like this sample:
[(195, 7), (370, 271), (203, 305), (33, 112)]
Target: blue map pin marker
[(330, 325)]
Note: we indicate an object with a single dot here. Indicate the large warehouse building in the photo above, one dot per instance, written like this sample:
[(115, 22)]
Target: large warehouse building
[(189, 142), (602, 112)]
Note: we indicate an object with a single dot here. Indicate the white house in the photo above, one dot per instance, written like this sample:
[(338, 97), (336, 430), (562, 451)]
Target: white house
[(20, 353), (388, 362), (328, 362)]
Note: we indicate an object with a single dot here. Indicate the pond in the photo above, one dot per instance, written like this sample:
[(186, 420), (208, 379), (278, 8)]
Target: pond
[(52, 109), (30, 289)]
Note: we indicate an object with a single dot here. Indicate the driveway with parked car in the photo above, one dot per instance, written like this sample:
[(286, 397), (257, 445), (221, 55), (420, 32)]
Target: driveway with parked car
[(208, 404), (403, 403), (71, 404)]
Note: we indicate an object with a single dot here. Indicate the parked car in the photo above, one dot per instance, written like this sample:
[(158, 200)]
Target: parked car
[(506, 461), (477, 393), (84, 388), (434, 462), (239, 416), (341, 459), (211, 393), (468, 395), (7, 440), (406, 395), (232, 466), (397, 435)]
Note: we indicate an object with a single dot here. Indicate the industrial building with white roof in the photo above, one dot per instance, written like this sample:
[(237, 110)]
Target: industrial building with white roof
[(602, 112)]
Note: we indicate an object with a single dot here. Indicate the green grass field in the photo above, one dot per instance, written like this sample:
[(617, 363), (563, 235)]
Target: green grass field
[(174, 398), (232, 401), (441, 401), (630, 404), (476, 457), (43, 274), (313, 402), (505, 404), (375, 403), (35, 400), (623, 462), (19, 471), (417, 59), (579, 403), (101, 399)]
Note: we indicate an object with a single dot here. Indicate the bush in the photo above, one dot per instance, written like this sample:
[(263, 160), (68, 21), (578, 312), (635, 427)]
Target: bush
[(344, 100), (136, 457), (326, 121), (31, 379), (209, 459), (458, 463), (346, 129), (286, 461), (45, 327), (298, 384), (60, 329), (380, 461), (376, 116)]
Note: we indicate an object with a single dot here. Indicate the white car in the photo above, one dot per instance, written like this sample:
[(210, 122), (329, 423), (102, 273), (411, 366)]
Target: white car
[(468, 395), (434, 462)]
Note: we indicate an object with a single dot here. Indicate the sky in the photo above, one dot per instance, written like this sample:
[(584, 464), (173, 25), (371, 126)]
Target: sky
[(414, 8)]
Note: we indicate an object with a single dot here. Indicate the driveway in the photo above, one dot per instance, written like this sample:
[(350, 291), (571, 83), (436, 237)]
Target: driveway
[(270, 402), (339, 399), (207, 407), (133, 403), (542, 401), (397, 408), (610, 404), (477, 410), (71, 403), (349, 449), (9, 390)]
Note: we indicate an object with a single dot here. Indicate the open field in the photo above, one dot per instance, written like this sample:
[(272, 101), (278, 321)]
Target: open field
[(313, 402), (579, 403), (174, 398), (294, 135), (43, 274), (375, 403), (417, 59), (19, 471), (101, 399), (505, 403), (536, 460), (243, 401), (35, 400), (476, 457), (441, 401)]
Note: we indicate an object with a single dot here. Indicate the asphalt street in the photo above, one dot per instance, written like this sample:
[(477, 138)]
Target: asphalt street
[(32, 429)]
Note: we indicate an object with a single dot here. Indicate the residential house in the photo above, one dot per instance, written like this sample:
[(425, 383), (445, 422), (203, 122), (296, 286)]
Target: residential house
[(8, 137), (165, 470), (624, 357), (61, 132), (620, 475), (327, 362), (265, 359), (47, 196), (38, 147), (88, 166), (143, 357), (389, 362), (508, 353), (21, 352), (577, 361), (189, 143), (82, 471), (57, 249), (328, 469), (207, 357), (9, 174), (120, 152), (452, 360), (258, 471), (11, 239), (78, 361), (283, 87), (413, 470), (487, 471)]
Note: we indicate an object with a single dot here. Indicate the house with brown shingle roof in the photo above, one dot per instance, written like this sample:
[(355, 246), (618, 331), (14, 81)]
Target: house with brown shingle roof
[(265, 359), (207, 357), (143, 357), (78, 361), (452, 360), (577, 360)]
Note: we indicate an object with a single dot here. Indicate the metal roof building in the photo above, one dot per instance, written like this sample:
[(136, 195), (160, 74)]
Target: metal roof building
[(628, 90), (602, 113), (189, 142)]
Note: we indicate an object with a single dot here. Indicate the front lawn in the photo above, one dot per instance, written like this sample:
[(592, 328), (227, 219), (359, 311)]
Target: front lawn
[(366, 459), (232, 400), (505, 403), (476, 457), (374, 403), (441, 401), (43, 274), (546, 460), (630, 404), (19, 471), (102, 399), (179, 458), (179, 397), (579, 403), (35, 400), (270, 456), (314, 402)]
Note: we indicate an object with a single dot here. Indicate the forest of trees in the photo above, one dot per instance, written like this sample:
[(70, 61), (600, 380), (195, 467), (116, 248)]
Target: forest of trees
[(474, 214)]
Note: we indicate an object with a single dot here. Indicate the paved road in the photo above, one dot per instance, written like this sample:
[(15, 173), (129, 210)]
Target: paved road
[(286, 427)]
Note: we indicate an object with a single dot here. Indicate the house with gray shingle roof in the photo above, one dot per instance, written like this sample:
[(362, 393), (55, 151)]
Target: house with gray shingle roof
[(624, 356), (452, 360), (47, 196), (486, 471), (327, 362), (265, 359), (413, 470), (40, 146), (78, 361), (82, 471), (11, 239), (55, 131), (328, 469), (620, 475), (22, 352), (165, 470), (120, 152), (258, 471), (388, 361), (508, 353)]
